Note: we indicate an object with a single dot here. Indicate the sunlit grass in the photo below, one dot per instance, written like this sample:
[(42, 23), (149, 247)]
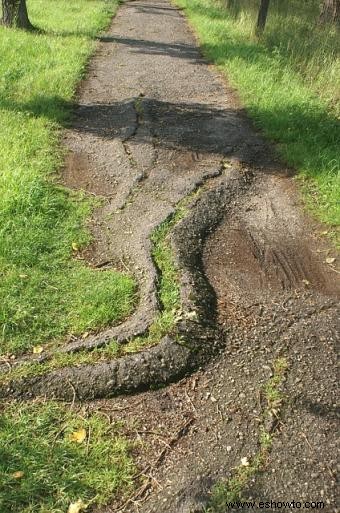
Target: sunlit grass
[(289, 28), (163, 324), (289, 82), (43, 469), (45, 293)]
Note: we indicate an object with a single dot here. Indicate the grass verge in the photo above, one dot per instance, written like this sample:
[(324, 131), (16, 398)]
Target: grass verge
[(232, 489), (45, 293), (278, 87), (52, 455), (169, 297)]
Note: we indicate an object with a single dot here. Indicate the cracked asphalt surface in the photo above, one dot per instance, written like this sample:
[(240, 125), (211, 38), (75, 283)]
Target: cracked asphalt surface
[(170, 119), (154, 122)]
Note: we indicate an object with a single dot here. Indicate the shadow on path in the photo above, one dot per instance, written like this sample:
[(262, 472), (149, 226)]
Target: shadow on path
[(144, 46)]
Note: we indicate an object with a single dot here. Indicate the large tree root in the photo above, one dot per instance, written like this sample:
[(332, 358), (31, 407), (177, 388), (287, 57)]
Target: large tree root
[(196, 337)]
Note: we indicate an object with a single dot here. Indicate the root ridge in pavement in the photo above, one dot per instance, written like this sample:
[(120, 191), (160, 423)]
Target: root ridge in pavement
[(144, 141), (155, 123)]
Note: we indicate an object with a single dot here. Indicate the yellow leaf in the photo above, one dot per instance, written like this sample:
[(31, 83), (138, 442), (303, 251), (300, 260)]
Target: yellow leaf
[(38, 349), (75, 246), (330, 260), (77, 507), (23, 276), (191, 315), (18, 475), (78, 436)]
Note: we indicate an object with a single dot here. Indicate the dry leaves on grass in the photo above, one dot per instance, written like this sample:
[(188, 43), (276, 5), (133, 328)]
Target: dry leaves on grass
[(18, 474), (77, 507), (38, 349), (78, 436)]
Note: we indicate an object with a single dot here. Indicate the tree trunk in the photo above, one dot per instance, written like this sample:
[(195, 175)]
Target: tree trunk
[(8, 12), (262, 17), (330, 11), (14, 14), (23, 20)]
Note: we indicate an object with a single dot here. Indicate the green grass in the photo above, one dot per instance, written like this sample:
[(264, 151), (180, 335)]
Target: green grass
[(34, 439), (169, 289), (289, 83), (272, 389), (164, 323), (45, 293), (42, 470)]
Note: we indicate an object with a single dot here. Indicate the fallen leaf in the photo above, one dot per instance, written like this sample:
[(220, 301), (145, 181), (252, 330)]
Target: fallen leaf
[(245, 462), (23, 276), (38, 349), (78, 436), (77, 507), (330, 260), (86, 334), (18, 475), (306, 282), (191, 315), (75, 246)]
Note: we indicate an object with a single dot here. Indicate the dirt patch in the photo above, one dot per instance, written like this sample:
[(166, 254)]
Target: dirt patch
[(266, 249), (78, 173)]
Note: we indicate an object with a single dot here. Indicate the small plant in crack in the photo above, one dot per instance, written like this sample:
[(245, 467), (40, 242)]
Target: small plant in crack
[(139, 107), (231, 490)]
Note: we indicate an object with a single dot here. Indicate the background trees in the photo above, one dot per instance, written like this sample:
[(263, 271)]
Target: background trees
[(262, 16), (325, 11)]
